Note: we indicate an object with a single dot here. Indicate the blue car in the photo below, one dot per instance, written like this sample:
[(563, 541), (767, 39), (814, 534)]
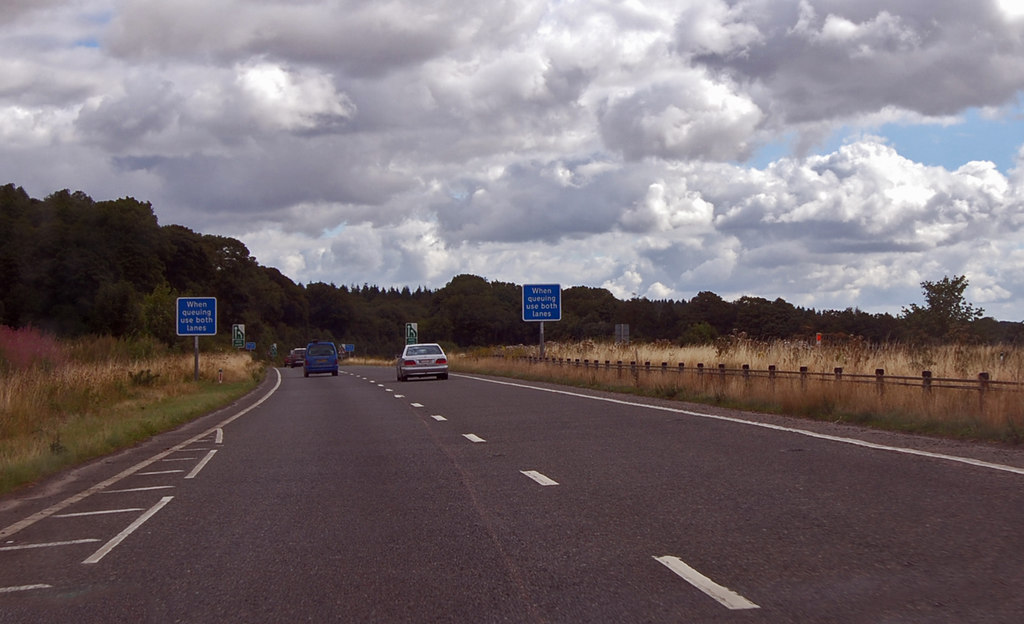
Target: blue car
[(320, 357)]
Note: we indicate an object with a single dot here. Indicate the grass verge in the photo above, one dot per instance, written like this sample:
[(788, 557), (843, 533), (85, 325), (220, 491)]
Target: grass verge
[(955, 414), (53, 418)]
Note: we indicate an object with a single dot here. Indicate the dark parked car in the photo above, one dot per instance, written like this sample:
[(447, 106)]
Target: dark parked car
[(422, 360)]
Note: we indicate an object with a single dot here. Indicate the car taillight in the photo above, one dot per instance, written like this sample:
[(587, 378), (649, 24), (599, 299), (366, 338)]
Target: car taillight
[(441, 361), (409, 363)]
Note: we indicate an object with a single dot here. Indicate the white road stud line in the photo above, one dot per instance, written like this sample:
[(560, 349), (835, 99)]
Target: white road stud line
[(98, 513), (727, 597), (811, 434), (99, 487), (48, 544), (472, 437), (438, 417), (11, 590), (120, 537), (539, 478), (202, 464)]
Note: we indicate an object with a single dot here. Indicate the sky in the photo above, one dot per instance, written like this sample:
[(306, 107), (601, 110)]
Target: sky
[(832, 153)]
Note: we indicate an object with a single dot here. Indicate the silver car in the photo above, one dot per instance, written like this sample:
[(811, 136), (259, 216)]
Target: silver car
[(422, 360)]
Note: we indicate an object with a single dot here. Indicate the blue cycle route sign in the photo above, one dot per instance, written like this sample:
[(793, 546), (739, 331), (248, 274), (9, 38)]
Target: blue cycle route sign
[(542, 302), (197, 316)]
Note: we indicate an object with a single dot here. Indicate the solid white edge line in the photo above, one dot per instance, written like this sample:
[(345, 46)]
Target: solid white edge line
[(539, 478), (472, 437), (202, 464), (49, 544), (120, 537), (9, 590), (67, 502), (727, 597), (811, 434)]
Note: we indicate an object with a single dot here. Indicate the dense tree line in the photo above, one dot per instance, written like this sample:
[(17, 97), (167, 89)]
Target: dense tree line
[(73, 266)]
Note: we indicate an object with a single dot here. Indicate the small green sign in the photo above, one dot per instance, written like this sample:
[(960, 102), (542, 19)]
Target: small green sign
[(412, 333)]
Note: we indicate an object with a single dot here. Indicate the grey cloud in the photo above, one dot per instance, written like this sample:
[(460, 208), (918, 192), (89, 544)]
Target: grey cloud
[(148, 107), (680, 120), (838, 59)]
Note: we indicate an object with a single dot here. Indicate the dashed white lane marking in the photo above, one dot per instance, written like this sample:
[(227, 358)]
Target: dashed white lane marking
[(49, 544), (10, 590), (438, 417), (159, 472), (472, 437), (727, 597), (416, 404), (120, 537), (219, 436), (98, 513), (201, 465), (539, 478)]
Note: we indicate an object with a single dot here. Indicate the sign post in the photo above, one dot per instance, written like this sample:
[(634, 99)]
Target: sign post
[(197, 316), (542, 302)]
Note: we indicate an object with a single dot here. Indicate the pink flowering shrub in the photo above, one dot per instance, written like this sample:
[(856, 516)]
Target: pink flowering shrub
[(28, 347)]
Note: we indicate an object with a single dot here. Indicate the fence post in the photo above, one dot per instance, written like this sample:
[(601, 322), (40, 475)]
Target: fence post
[(880, 381), (838, 372), (926, 380), (746, 371), (721, 372), (700, 369), (982, 389), (647, 367), (664, 367), (771, 377), (803, 377)]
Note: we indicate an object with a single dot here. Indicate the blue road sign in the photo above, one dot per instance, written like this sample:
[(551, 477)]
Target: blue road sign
[(542, 302), (197, 316)]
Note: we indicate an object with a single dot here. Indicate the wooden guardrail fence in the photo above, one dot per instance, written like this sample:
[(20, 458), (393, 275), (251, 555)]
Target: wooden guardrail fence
[(927, 381)]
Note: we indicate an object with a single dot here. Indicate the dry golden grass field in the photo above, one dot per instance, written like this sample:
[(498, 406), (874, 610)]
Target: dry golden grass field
[(954, 404), (85, 400)]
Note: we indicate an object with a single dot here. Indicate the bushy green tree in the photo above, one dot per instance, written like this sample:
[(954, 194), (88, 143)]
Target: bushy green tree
[(946, 317)]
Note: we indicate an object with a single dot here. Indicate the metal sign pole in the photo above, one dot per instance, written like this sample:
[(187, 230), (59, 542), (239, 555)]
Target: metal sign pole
[(197, 358), (542, 340)]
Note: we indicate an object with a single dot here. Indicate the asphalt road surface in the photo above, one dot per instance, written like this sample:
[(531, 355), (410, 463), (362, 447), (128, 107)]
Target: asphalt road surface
[(357, 498)]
